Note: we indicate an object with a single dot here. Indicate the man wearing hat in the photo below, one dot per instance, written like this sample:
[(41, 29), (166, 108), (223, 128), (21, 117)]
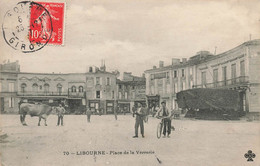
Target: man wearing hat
[(164, 112), (60, 112), (139, 120)]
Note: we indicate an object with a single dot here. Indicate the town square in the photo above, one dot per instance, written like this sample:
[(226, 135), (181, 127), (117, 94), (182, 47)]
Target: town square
[(129, 83)]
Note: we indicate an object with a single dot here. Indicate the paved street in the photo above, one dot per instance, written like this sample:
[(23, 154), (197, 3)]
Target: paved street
[(194, 142)]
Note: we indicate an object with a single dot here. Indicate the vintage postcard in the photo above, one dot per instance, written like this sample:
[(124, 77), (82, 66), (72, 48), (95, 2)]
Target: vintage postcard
[(129, 82)]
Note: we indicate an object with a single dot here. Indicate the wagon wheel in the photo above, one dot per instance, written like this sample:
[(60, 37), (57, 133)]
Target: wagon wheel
[(159, 130)]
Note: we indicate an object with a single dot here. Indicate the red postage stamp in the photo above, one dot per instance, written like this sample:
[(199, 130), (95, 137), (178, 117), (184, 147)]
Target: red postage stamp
[(56, 11)]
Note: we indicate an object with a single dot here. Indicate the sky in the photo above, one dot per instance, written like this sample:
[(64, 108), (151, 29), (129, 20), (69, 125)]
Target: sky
[(132, 36)]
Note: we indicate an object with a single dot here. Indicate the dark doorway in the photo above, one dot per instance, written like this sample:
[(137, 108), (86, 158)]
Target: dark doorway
[(75, 106), (2, 104)]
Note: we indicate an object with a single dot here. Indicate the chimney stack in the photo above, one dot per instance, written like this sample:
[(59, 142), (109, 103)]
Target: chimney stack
[(184, 60), (90, 69), (160, 64), (175, 61), (154, 67)]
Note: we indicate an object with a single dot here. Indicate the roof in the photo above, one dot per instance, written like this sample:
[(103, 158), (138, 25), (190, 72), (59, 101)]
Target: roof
[(191, 62)]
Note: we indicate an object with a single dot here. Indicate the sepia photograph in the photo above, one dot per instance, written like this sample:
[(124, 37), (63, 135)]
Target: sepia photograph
[(130, 82)]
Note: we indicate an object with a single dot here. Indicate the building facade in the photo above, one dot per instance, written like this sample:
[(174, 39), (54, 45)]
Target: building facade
[(101, 90), (95, 89), (234, 69), (131, 90), (8, 87)]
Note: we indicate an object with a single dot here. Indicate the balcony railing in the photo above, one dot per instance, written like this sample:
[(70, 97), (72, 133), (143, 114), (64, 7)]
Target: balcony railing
[(234, 81), (33, 93), (76, 94)]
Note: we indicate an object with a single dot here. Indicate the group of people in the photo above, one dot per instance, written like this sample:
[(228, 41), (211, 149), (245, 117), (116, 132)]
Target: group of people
[(140, 114)]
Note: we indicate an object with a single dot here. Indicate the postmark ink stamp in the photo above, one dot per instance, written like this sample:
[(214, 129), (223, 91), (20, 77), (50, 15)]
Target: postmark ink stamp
[(20, 25), (29, 26)]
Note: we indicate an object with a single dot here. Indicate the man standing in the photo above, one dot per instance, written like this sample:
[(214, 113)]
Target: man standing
[(60, 112), (115, 112), (139, 121), (164, 112), (88, 112)]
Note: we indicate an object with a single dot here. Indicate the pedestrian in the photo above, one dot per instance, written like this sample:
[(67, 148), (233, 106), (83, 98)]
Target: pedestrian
[(133, 110), (139, 120), (146, 114), (60, 112), (115, 112), (100, 111), (88, 112), (164, 112)]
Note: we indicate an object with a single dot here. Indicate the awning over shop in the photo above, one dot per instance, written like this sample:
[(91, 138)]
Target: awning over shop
[(208, 98)]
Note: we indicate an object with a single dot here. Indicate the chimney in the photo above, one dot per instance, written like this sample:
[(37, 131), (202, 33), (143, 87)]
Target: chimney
[(154, 67), (175, 61), (160, 64), (90, 69), (184, 60)]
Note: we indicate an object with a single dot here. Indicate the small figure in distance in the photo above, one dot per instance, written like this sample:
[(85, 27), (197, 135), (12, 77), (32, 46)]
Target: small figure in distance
[(88, 112)]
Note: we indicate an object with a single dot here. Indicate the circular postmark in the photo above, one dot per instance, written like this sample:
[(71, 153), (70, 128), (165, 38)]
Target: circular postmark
[(27, 27)]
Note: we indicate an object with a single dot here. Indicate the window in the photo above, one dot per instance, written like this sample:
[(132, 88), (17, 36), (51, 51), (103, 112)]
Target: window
[(120, 95), (242, 68), (46, 88), (120, 86), (98, 94), (11, 87), (215, 77), (167, 75), (224, 75), (190, 71), (126, 96), (168, 88), (183, 85), (191, 83), (23, 87), (182, 72), (133, 95), (203, 79), (152, 76), (152, 90), (97, 80), (80, 88), (59, 88), (11, 102), (108, 81), (133, 87), (175, 87), (73, 88), (233, 73), (113, 94), (35, 87), (175, 74)]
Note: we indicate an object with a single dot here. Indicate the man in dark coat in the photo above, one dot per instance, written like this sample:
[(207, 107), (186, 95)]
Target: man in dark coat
[(88, 112), (139, 120)]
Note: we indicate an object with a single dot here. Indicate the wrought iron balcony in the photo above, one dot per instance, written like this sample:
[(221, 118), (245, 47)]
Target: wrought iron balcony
[(76, 94), (231, 82), (37, 93)]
